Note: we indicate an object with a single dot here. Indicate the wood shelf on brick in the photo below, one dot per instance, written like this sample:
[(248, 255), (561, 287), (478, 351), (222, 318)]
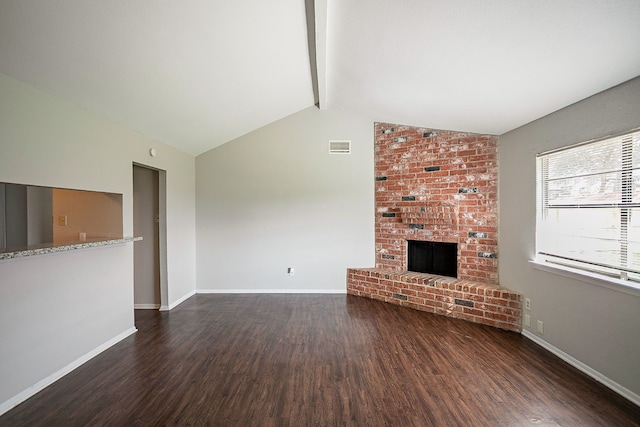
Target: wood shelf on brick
[(429, 215)]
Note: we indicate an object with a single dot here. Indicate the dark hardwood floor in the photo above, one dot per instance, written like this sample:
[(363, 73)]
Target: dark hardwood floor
[(320, 360)]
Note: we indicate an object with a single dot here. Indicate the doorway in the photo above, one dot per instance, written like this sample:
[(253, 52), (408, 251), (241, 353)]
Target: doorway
[(149, 209)]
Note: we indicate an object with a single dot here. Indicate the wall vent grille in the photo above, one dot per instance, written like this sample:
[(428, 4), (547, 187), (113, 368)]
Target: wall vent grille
[(340, 147)]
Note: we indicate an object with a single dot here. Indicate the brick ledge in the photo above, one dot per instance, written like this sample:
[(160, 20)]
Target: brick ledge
[(462, 299)]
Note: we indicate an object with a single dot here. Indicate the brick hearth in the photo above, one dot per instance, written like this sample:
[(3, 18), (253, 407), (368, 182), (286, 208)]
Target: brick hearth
[(461, 299), (440, 186)]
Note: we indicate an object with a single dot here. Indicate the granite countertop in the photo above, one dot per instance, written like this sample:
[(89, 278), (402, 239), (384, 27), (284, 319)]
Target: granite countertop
[(50, 248)]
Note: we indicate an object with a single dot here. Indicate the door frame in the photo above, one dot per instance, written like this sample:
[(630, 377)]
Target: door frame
[(162, 232)]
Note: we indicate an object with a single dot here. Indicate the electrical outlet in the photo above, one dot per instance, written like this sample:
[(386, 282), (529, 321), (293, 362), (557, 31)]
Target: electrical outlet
[(527, 320), (527, 303), (540, 327), (62, 220)]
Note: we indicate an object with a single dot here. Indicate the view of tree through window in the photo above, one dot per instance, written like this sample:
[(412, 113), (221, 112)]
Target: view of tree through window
[(589, 206)]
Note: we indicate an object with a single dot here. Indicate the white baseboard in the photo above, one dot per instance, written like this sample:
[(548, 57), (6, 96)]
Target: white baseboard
[(271, 291), (40, 385), (623, 391), (180, 301), (146, 306)]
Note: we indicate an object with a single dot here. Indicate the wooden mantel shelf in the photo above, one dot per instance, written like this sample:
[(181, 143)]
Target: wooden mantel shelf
[(429, 214)]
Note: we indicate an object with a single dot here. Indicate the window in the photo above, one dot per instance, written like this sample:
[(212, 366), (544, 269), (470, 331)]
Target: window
[(589, 206)]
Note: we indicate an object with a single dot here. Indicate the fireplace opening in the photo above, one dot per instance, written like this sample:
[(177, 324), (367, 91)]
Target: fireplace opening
[(432, 257)]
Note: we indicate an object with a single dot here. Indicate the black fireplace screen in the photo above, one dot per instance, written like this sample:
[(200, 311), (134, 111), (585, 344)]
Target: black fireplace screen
[(432, 257)]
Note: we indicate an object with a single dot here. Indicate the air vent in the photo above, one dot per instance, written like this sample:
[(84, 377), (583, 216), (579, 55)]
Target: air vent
[(339, 147)]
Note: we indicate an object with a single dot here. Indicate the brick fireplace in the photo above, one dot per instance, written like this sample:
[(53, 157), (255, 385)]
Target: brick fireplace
[(437, 186), (441, 186)]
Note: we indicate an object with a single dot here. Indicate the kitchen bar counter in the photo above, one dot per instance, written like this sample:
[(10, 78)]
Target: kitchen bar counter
[(13, 253)]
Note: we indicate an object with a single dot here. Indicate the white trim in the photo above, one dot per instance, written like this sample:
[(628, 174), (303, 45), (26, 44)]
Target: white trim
[(271, 291), (623, 391), (146, 306), (179, 301), (612, 283), (40, 385)]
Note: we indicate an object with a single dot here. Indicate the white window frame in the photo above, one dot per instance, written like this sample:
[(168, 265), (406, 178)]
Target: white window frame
[(599, 274)]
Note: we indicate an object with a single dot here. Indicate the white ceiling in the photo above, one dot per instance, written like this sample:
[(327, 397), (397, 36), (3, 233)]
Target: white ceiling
[(196, 74)]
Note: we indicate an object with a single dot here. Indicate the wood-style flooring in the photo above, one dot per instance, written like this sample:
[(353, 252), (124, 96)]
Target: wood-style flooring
[(320, 360)]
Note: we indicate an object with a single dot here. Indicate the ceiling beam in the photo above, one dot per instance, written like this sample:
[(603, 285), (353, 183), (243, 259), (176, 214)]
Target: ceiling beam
[(320, 13), (316, 11)]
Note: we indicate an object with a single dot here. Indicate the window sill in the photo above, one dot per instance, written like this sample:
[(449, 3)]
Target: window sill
[(626, 287)]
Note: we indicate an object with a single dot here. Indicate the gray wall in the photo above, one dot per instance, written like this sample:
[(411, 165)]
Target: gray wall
[(3, 221), (39, 215), (56, 309), (597, 326), (15, 204), (275, 198)]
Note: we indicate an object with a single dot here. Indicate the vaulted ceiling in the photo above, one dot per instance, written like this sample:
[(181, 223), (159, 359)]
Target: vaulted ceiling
[(196, 74)]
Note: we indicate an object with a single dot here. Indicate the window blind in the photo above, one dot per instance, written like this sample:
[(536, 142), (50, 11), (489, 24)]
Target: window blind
[(589, 206)]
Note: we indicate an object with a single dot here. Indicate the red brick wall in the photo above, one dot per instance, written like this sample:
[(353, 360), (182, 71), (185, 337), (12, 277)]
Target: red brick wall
[(437, 185)]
